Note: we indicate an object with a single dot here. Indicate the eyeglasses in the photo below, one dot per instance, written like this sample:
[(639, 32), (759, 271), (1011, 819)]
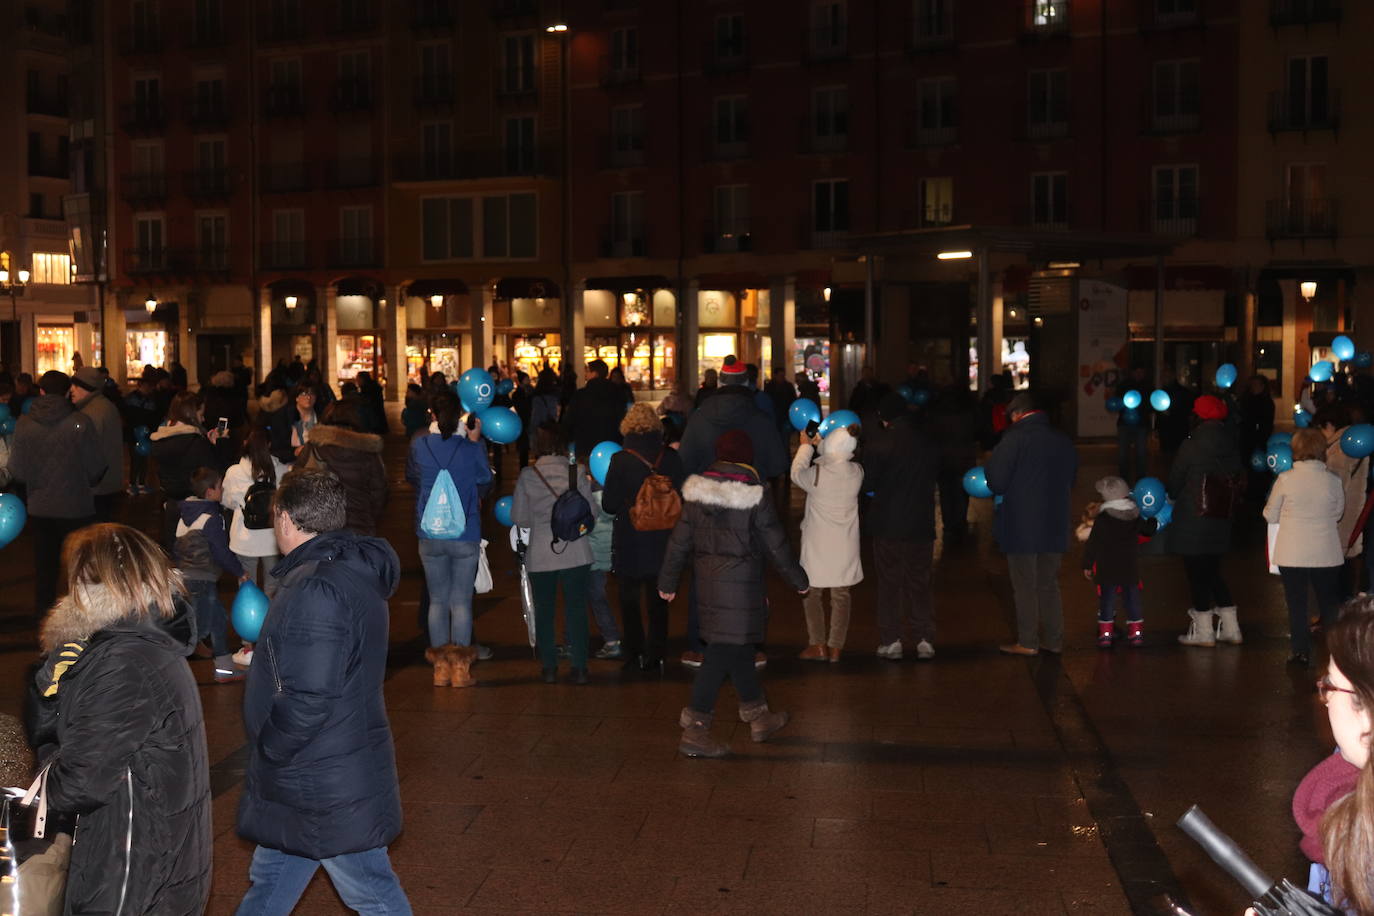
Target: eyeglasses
[(1325, 688)]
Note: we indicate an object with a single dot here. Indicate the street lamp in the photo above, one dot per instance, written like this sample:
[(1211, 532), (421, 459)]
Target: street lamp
[(954, 255), (556, 28), (1308, 288), (290, 302), (436, 302), (14, 289), (150, 303)]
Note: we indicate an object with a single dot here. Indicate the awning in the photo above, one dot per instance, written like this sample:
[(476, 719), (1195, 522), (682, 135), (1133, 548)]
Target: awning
[(526, 288), (359, 286), (447, 286), (629, 284), (732, 281)]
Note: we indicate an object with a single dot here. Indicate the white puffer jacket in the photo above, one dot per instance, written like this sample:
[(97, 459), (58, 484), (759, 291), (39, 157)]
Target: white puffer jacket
[(830, 527), (1307, 502)]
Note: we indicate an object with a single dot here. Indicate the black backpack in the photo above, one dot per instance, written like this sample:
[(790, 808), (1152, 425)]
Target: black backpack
[(572, 516), (257, 505)]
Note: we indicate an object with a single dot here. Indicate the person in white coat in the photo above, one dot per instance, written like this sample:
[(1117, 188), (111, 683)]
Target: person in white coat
[(256, 548), (1353, 473), (1307, 503), (831, 479)]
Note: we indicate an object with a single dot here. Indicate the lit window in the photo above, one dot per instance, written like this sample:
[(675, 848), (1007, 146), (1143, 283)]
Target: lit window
[(52, 268)]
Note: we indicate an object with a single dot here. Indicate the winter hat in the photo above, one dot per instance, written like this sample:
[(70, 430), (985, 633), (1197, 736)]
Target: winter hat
[(735, 446), (1210, 407), (1113, 488), (892, 406), (89, 378), (733, 372), (839, 444), (1022, 403)]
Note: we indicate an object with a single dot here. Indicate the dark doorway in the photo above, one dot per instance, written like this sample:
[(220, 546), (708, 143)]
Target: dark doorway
[(217, 352)]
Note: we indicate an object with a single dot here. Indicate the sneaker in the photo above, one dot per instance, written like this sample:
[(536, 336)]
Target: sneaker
[(692, 659), (244, 657), (1017, 649), (483, 652), (814, 654), (924, 650), (610, 650), (223, 676), (760, 660), (892, 651)]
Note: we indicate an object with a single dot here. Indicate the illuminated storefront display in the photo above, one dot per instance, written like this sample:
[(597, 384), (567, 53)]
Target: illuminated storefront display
[(531, 353), (360, 353), (56, 347), (144, 348), (440, 351)]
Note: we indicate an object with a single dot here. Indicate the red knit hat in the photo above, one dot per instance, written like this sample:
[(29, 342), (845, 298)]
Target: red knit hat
[(1210, 407), (735, 445), (733, 372)]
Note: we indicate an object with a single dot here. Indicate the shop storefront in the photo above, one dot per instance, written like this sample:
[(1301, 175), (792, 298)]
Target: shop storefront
[(56, 347), (439, 333), (531, 353), (360, 342), (144, 345), (528, 313), (634, 329)]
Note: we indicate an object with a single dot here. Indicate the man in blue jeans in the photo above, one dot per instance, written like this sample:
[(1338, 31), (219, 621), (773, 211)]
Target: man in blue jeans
[(321, 786)]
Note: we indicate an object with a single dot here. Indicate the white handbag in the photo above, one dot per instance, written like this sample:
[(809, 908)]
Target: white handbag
[(483, 583)]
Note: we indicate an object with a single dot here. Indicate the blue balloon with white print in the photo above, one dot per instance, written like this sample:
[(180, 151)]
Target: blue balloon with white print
[(1149, 495), (976, 483)]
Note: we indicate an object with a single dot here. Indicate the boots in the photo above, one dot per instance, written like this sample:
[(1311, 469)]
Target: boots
[(1202, 631), (696, 735), (460, 659), (1229, 628), (1135, 632), (439, 657), (1105, 633), (763, 722)]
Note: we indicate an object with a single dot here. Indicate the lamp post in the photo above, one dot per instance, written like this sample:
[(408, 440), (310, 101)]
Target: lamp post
[(15, 289), (290, 303), (150, 303), (1308, 289)]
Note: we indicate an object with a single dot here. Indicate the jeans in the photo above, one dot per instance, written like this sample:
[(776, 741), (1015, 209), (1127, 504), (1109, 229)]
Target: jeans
[(211, 619), (1326, 582), (1204, 580), (723, 662), (1133, 442), (634, 592), (815, 616), (450, 575), (601, 606), (1035, 589), (544, 585), (1130, 602), (138, 468), (250, 566), (905, 604), (953, 504), (364, 880), (48, 537)]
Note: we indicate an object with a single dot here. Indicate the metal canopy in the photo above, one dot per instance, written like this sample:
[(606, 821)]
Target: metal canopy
[(1035, 244)]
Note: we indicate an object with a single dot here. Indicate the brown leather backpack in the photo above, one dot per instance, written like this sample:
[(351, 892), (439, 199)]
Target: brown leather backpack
[(657, 505)]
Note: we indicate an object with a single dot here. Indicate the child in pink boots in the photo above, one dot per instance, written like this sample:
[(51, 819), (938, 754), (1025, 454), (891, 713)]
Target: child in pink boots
[(1112, 529)]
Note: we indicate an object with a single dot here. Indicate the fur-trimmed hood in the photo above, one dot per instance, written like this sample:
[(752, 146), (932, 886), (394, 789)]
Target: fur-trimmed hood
[(343, 437), (273, 402), (71, 620), (721, 492), (175, 429)]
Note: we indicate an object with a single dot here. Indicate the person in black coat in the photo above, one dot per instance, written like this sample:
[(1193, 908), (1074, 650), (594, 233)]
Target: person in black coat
[(732, 407), (1114, 529), (321, 780), (116, 716), (728, 528), (593, 414), (636, 556)]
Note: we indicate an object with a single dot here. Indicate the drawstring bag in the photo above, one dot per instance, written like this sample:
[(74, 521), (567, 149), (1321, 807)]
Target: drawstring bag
[(443, 518), (35, 850)]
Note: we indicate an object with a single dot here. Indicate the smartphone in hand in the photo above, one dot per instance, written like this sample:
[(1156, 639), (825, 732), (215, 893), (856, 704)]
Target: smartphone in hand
[(812, 428), (223, 427)]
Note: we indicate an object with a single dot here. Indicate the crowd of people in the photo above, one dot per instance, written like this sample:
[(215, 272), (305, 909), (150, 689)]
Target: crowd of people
[(284, 484)]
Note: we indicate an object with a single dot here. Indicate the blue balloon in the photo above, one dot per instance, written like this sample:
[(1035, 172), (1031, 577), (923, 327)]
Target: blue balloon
[(502, 510), (140, 432), (1114, 405), (976, 483), (12, 517), (250, 610), (837, 419), (1131, 398), (28, 405), (1159, 400), (1363, 360), (1149, 495), (1322, 371), (600, 461), (920, 396), (802, 412), (143, 448), (500, 424), (1280, 458), (5, 411), (476, 389), (1301, 418), (1164, 516), (1226, 375), (7, 426), (1358, 440), (1278, 439), (1343, 348), (505, 386), (1257, 460), (907, 392)]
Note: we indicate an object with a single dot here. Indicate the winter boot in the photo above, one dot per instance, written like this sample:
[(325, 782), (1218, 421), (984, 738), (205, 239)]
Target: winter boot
[(1229, 628), (438, 656), (763, 722), (460, 659), (1105, 633), (1135, 632), (1202, 631), (696, 735)]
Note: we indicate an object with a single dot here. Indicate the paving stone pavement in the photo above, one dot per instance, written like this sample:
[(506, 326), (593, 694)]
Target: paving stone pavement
[(974, 783)]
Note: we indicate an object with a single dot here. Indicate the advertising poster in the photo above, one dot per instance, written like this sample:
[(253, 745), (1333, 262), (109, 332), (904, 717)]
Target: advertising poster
[(1103, 346)]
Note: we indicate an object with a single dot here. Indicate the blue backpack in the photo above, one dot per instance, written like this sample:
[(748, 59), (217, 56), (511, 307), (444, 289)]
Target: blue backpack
[(572, 516), (443, 518)]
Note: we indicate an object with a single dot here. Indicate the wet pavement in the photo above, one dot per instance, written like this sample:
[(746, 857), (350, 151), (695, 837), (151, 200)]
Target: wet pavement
[(974, 783)]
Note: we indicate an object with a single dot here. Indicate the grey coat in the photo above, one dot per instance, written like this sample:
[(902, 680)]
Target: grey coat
[(1210, 449), (533, 509), (109, 430), (56, 454)]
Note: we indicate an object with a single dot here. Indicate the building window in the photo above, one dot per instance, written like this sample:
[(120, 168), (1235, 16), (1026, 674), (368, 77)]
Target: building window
[(436, 71), (285, 20), (1050, 200), (208, 101), (285, 87), (937, 201), (1048, 104), (55, 269), (729, 43), (627, 135), (508, 226), (1049, 15), (212, 241), (143, 22), (1175, 10), (731, 227), (147, 107), (494, 226), (830, 118), (1175, 200), (932, 21), (355, 236), (625, 53), (1307, 210), (212, 174), (148, 178), (209, 22), (288, 239), (829, 28), (520, 150), (1309, 102), (732, 125), (627, 225), (35, 205), (517, 63), (354, 88), (937, 115), (1176, 95), (829, 212), (150, 252), (436, 144)]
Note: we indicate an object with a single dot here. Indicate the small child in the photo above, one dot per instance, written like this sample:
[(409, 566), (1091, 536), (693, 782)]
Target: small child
[(415, 416), (1112, 529), (201, 552), (140, 410)]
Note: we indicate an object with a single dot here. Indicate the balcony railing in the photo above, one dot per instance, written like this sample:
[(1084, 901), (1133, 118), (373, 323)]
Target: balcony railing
[(143, 186), (932, 29), (1176, 217), (929, 217), (207, 35), (823, 239), (1304, 112), (726, 56), (283, 102), (619, 72), (633, 245), (624, 152), (1303, 12), (143, 116), (516, 83), (431, 15), (1045, 17), (1047, 130), (360, 252), (147, 260), (818, 137), (49, 167), (46, 103), (352, 173), (726, 148), (1176, 122), (829, 42), (434, 91), (727, 237), (206, 259), (145, 39), (208, 112), (351, 17), (283, 28), (920, 134), (1169, 14), (1302, 218), (203, 183), (288, 177), (352, 95), (491, 162), (285, 255)]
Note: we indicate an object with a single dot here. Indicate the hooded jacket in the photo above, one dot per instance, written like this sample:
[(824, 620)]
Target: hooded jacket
[(129, 733), (637, 554), (1211, 449), (830, 527), (1111, 548), (900, 467), (201, 549), (356, 459), (466, 462), (732, 407), (321, 778), (109, 434), (56, 454), (1033, 468), (593, 416), (178, 449), (532, 508), (728, 528)]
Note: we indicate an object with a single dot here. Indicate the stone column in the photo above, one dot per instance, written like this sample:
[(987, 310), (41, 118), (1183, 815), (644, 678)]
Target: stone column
[(689, 334), (483, 310), (396, 371), (112, 335), (186, 341), (327, 316), (782, 324), (575, 329), (262, 322)]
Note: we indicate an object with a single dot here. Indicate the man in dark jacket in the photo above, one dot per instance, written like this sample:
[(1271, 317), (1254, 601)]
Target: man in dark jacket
[(1033, 469), (56, 454), (954, 425), (732, 407), (87, 396), (321, 786), (593, 415), (900, 467)]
